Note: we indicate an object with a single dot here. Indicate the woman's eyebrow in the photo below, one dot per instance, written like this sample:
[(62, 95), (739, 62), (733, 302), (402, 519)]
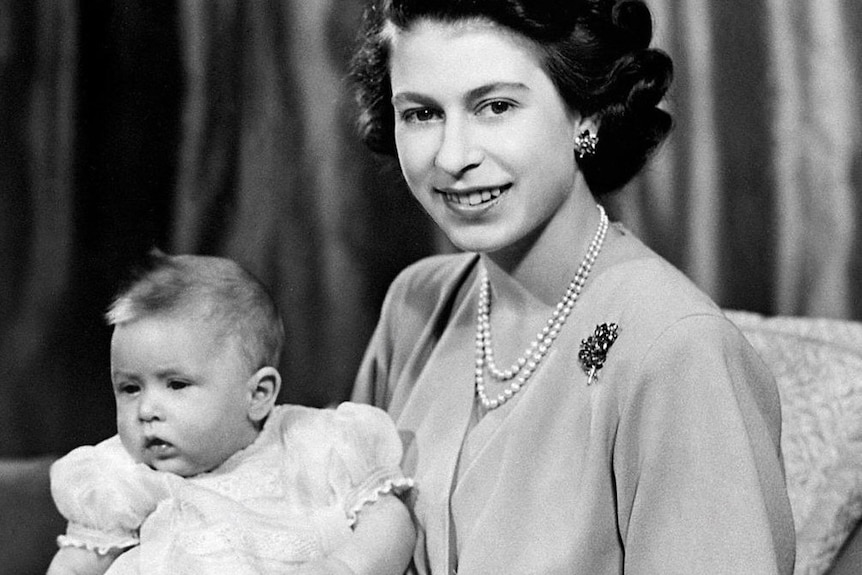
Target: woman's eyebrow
[(402, 97), (474, 94), (486, 89)]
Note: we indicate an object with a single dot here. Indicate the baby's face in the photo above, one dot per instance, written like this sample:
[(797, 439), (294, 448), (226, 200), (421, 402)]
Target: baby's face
[(182, 395)]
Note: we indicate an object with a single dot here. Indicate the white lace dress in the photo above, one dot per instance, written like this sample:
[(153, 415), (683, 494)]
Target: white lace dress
[(289, 498)]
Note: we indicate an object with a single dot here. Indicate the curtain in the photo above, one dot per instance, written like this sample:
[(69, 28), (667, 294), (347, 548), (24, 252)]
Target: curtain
[(272, 175), (756, 195), (226, 127), (37, 104)]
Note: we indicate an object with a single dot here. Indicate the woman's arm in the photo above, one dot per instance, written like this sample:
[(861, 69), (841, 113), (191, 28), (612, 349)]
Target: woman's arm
[(382, 543), (700, 478), (80, 561)]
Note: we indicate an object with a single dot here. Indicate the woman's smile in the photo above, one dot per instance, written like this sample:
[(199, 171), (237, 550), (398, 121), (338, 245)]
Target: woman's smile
[(470, 199)]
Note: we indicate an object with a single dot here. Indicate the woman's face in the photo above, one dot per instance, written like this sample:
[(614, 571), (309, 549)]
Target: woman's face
[(484, 139)]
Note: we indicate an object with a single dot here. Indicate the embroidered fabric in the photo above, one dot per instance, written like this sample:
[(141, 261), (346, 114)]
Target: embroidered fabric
[(290, 497), (91, 480), (817, 364)]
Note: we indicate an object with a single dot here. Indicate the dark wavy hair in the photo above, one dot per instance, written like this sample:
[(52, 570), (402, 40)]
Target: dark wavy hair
[(596, 52)]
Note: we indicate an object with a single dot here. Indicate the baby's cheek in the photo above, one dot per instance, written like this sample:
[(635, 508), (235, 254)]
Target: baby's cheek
[(128, 435)]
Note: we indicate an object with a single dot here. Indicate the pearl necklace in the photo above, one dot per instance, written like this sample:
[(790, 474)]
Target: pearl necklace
[(527, 364)]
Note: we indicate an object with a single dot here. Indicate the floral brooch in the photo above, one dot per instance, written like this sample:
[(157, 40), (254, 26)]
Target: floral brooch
[(594, 349)]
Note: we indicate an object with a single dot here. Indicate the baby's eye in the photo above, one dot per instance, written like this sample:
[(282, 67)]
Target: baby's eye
[(128, 388), (177, 384)]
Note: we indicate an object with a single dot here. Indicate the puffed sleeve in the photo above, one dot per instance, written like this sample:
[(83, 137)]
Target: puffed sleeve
[(701, 483), (104, 495), (366, 457)]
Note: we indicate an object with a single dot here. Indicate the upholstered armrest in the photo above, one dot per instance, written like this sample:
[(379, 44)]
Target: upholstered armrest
[(29, 522), (817, 364)]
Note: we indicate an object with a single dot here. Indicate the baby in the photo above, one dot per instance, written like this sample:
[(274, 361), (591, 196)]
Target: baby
[(206, 474)]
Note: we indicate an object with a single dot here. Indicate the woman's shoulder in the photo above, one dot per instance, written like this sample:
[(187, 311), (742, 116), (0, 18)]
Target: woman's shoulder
[(652, 301), (425, 290), (671, 336), (433, 274), (642, 282)]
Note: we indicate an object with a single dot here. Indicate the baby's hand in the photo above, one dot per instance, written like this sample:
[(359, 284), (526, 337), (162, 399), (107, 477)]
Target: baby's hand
[(78, 561)]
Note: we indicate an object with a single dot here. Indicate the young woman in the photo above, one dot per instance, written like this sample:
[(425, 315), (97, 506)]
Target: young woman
[(569, 402)]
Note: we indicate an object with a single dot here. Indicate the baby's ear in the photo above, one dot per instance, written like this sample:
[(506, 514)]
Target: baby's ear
[(263, 386)]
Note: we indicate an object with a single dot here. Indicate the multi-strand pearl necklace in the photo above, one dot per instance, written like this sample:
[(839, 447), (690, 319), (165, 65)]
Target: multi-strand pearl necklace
[(527, 364)]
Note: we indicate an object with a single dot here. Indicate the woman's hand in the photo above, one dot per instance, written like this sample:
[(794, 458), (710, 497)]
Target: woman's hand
[(381, 544), (327, 566)]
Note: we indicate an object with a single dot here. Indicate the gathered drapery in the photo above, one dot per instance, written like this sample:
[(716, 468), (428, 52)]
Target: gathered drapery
[(757, 194), (226, 127), (37, 85)]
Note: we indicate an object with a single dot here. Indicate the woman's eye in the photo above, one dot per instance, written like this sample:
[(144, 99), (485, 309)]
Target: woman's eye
[(128, 388), (177, 384), (496, 107), (419, 115)]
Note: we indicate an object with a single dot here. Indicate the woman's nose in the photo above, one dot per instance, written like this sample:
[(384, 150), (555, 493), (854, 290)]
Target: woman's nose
[(458, 151)]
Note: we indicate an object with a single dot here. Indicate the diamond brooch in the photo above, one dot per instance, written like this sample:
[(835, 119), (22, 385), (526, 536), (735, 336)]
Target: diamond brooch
[(594, 349)]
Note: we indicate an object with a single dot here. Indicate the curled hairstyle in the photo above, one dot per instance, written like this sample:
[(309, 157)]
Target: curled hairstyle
[(214, 290), (596, 52)]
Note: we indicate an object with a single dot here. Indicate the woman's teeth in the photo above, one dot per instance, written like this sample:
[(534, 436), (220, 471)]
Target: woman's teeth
[(475, 198)]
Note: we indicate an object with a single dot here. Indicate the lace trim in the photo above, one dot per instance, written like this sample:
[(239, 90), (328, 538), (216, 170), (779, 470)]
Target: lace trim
[(102, 542), (99, 548), (383, 482)]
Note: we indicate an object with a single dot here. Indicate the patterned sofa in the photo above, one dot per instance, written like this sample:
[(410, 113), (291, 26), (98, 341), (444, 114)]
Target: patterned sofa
[(818, 367), (817, 364)]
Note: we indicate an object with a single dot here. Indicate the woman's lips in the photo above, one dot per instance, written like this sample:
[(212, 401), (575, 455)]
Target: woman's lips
[(475, 197)]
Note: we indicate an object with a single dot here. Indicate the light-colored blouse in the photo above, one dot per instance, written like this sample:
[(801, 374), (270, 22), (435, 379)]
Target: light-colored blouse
[(668, 463), (289, 498)]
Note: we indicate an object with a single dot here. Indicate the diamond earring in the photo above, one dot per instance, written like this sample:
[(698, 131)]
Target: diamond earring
[(585, 144)]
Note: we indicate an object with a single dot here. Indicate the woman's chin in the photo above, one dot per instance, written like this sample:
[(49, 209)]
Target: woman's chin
[(478, 243)]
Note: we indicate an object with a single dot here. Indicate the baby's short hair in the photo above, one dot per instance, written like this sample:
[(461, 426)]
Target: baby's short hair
[(211, 289)]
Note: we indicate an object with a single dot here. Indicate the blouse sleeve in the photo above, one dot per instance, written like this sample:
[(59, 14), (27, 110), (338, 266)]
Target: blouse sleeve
[(366, 457), (701, 482), (104, 495)]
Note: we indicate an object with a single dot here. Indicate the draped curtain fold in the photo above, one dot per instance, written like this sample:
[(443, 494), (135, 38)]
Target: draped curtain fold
[(228, 129), (757, 194), (37, 84), (271, 174)]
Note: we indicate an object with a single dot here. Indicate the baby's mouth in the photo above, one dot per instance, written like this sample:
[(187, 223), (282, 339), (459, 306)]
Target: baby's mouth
[(157, 444)]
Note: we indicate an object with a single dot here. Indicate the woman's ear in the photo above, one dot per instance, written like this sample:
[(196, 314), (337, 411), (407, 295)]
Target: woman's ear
[(263, 387)]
